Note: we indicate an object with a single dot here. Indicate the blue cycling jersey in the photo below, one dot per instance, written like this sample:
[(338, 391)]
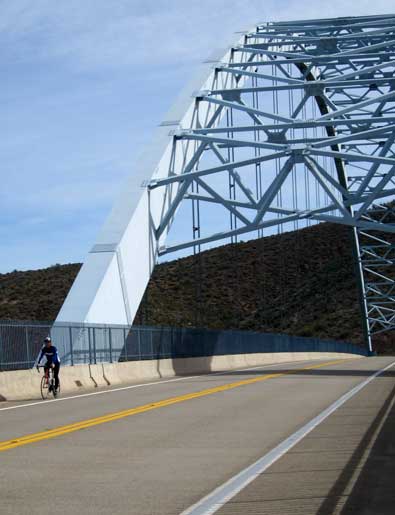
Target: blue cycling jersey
[(51, 353)]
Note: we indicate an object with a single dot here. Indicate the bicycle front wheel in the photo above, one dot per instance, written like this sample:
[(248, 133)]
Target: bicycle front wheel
[(44, 388)]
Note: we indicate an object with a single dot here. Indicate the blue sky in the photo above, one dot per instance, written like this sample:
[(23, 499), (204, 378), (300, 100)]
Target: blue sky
[(83, 84)]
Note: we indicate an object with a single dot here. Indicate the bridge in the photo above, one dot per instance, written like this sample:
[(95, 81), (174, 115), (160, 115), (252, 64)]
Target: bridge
[(290, 126)]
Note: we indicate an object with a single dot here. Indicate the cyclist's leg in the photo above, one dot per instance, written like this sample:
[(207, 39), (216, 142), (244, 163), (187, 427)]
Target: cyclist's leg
[(46, 372), (56, 375)]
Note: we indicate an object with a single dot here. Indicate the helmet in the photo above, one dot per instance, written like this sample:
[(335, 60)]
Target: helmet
[(47, 339)]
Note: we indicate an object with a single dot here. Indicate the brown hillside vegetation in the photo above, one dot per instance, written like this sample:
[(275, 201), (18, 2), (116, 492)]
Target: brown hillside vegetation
[(300, 283), (36, 294)]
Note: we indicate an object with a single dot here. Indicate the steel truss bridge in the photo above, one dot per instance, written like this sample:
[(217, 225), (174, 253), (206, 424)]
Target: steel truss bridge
[(292, 125)]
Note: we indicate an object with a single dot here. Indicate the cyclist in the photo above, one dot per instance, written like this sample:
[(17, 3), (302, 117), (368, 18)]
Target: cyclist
[(52, 360)]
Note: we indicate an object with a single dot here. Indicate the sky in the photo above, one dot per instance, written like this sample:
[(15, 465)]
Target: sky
[(83, 85)]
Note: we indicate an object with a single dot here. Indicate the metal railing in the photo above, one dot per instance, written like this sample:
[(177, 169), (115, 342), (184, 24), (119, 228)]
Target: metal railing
[(20, 343)]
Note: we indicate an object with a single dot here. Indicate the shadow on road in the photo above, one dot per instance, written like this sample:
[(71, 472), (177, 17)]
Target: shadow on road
[(312, 372), (373, 492)]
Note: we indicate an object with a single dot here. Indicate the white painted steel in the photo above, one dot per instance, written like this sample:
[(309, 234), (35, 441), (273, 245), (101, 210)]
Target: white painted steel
[(113, 278), (288, 90)]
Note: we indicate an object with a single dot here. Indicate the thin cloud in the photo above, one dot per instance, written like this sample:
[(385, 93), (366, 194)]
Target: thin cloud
[(82, 84), (100, 34)]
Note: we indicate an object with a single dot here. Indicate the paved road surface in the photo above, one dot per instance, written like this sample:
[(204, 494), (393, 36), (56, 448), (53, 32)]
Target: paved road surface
[(159, 448)]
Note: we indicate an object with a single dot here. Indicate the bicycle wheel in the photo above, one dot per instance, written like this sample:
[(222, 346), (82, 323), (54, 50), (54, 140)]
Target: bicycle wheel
[(44, 387)]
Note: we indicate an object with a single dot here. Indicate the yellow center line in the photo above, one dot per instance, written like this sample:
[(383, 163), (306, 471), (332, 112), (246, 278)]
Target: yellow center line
[(84, 424)]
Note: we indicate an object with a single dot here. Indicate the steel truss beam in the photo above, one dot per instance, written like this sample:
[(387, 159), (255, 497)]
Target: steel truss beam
[(291, 106), (351, 123)]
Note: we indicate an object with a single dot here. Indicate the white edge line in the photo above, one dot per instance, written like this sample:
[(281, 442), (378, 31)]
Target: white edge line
[(140, 385), (221, 495)]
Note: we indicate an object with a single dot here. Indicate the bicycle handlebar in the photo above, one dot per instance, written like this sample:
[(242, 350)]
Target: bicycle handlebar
[(43, 366)]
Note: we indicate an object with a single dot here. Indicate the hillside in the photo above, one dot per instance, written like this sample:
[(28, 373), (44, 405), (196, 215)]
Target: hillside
[(299, 283)]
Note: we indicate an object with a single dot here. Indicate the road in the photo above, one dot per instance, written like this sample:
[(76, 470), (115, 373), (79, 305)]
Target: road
[(160, 448)]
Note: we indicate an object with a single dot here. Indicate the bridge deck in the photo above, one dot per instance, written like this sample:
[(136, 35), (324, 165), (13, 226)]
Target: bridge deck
[(344, 466), (157, 456)]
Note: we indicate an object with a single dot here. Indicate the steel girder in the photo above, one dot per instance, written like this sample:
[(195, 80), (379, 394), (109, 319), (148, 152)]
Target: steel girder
[(291, 108), (345, 66)]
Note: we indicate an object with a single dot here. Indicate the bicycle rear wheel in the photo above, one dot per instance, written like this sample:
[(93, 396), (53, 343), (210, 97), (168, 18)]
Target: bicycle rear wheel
[(44, 388)]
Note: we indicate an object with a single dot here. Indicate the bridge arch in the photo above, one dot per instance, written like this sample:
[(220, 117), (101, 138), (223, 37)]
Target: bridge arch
[(292, 125)]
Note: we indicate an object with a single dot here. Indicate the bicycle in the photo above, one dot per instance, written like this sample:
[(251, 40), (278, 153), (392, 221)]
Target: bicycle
[(47, 385)]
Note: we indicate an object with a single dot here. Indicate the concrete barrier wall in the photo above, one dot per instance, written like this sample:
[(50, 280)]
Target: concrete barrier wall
[(25, 384)]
